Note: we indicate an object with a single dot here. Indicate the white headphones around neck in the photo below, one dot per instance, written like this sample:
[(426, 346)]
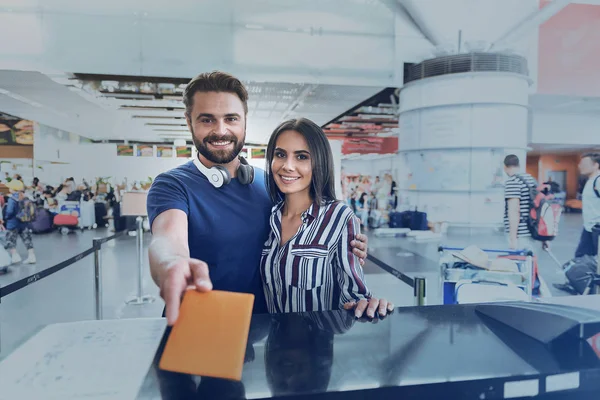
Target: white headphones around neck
[(219, 176)]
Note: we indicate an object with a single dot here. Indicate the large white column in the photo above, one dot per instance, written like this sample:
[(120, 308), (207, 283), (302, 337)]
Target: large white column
[(455, 131), (336, 149)]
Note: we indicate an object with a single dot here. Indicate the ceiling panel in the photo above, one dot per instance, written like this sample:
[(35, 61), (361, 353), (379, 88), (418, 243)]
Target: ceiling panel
[(96, 112)]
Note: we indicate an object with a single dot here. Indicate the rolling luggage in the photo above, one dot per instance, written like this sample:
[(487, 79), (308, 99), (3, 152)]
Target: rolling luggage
[(395, 220), (42, 222), (100, 211), (87, 219), (66, 220), (468, 292), (414, 220), (375, 219), (536, 278), (579, 270)]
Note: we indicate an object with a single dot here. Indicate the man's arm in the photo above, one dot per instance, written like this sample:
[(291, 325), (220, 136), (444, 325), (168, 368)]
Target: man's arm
[(170, 264), (169, 242)]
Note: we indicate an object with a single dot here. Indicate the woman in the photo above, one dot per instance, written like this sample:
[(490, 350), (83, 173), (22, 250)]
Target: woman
[(307, 263)]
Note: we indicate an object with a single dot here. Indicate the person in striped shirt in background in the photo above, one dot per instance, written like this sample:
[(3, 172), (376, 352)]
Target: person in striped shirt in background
[(307, 262), (516, 212)]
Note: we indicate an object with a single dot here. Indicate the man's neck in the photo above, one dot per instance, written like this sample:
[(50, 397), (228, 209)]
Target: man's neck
[(593, 175), (231, 166)]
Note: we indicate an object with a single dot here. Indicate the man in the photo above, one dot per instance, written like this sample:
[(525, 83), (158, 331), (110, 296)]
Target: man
[(206, 236), (589, 167), (516, 211)]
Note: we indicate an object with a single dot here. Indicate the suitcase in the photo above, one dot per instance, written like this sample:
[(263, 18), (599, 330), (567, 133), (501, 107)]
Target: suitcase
[(470, 292), (395, 220), (578, 271), (101, 212), (87, 218), (42, 222), (535, 291), (375, 219), (123, 223), (66, 220), (414, 220)]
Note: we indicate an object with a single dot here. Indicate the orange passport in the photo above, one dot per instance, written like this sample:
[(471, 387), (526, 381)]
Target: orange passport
[(210, 335)]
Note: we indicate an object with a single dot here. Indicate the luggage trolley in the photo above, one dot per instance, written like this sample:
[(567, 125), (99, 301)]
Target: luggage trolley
[(68, 216), (464, 283)]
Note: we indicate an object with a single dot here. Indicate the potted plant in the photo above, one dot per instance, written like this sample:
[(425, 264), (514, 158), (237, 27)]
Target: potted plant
[(102, 184), (146, 184)]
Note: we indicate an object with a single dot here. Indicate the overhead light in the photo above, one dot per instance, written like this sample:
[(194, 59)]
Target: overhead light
[(125, 96), (156, 117), (165, 124), (253, 26), (20, 98), (179, 142)]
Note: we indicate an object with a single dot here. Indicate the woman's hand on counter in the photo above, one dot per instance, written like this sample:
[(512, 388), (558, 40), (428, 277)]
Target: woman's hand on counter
[(370, 307)]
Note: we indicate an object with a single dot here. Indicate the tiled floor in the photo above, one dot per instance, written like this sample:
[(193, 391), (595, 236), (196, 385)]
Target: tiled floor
[(68, 295)]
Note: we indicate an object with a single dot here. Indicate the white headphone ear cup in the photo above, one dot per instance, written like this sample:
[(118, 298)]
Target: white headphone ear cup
[(215, 178), (225, 178)]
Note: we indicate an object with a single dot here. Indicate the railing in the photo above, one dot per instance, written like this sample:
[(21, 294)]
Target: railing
[(21, 283), (38, 276), (470, 62), (418, 283)]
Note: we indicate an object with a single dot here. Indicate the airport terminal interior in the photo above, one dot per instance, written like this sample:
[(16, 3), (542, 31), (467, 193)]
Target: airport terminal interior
[(422, 103)]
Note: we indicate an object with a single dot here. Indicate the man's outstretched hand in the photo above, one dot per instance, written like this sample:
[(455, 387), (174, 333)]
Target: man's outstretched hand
[(182, 274)]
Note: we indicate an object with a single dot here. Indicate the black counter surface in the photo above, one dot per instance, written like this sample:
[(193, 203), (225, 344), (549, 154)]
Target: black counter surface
[(437, 352)]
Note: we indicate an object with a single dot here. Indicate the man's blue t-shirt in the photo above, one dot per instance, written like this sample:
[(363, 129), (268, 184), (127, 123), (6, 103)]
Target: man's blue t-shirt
[(227, 226)]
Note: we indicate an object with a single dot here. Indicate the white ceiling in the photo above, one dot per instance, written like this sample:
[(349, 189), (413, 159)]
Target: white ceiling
[(565, 104), (148, 38), (537, 149), (49, 102), (35, 96)]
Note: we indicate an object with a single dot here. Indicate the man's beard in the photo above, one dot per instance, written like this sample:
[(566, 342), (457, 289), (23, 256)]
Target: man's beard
[(218, 156)]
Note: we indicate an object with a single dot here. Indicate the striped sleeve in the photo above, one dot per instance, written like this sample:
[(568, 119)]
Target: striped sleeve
[(512, 189), (350, 274), (337, 321)]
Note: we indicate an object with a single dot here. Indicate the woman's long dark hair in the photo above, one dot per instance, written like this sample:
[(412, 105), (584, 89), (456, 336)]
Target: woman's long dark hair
[(322, 185)]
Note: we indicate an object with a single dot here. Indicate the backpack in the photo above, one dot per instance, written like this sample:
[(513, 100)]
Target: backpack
[(544, 214), (579, 270), (26, 211), (595, 186)]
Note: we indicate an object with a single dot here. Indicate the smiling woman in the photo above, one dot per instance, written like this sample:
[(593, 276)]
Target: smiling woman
[(307, 262)]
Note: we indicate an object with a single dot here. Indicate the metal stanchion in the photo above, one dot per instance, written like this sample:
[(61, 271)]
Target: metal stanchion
[(420, 291), (597, 289), (140, 298), (98, 276)]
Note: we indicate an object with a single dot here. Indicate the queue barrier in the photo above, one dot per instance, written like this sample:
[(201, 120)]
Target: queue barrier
[(38, 276), (418, 283)]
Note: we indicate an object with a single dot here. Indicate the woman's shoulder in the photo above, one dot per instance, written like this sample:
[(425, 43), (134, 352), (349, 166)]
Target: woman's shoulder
[(340, 207)]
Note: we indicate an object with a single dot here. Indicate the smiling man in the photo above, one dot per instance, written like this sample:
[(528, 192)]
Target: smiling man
[(210, 216)]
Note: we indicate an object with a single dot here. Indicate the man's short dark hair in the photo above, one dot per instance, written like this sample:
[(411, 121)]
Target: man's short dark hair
[(595, 157), (215, 81), (511, 160)]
